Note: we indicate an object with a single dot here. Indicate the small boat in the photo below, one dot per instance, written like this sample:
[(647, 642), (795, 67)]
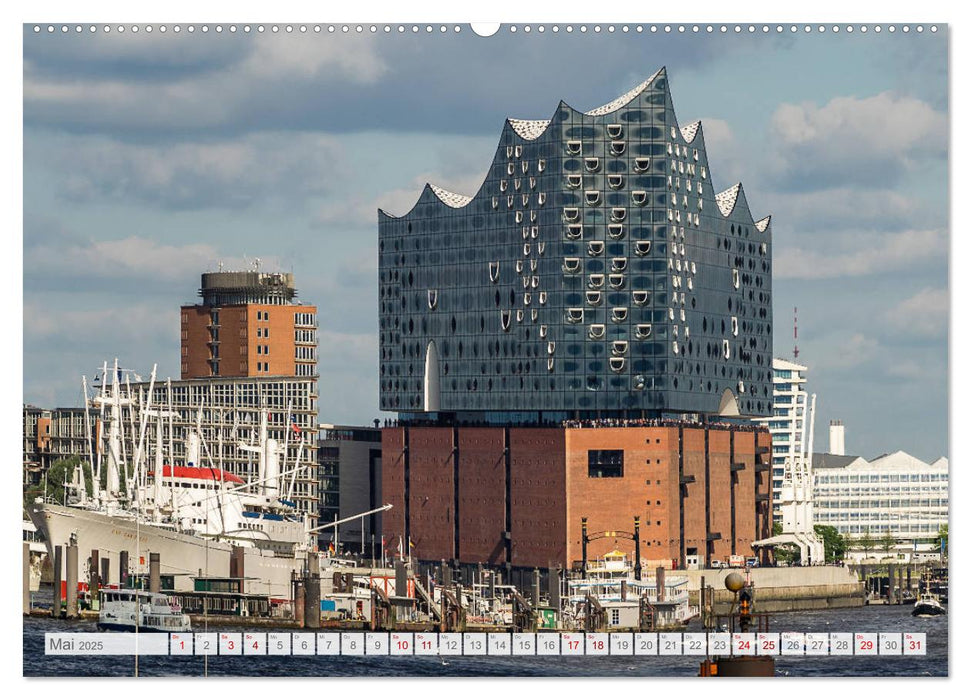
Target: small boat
[(127, 610), (928, 605)]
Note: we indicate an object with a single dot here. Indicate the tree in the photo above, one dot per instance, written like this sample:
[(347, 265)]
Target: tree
[(888, 542), (834, 544), (52, 486), (941, 541), (866, 543)]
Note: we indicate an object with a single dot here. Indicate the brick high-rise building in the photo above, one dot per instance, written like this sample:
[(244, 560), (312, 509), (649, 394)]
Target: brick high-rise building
[(249, 324)]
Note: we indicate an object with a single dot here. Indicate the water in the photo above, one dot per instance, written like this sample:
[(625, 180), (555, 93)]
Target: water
[(878, 618)]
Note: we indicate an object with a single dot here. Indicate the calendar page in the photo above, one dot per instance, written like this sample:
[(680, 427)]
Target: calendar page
[(435, 349)]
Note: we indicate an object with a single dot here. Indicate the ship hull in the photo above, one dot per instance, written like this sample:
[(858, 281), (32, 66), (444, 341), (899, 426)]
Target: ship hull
[(180, 554)]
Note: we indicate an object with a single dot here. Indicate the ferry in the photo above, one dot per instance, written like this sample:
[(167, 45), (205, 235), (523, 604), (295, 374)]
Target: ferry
[(128, 610)]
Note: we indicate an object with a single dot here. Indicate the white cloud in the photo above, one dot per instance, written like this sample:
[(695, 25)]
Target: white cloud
[(231, 173), (926, 312), (847, 352), (862, 254), (873, 139), (397, 202), (309, 55)]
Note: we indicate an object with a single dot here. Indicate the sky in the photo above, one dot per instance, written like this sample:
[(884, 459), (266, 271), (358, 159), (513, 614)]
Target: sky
[(151, 158)]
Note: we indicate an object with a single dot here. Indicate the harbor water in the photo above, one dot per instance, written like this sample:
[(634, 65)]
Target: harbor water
[(875, 618)]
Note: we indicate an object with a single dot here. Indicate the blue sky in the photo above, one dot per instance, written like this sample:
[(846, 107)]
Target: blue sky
[(150, 158)]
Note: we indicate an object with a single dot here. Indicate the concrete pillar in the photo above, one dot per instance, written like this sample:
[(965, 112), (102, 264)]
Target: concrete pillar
[(536, 580), (105, 570), (555, 588), (623, 590), (154, 572), (94, 579), (492, 585), (58, 571), (909, 584), (311, 609), (900, 583), (71, 559), (400, 579), (237, 565), (123, 569), (659, 582), (26, 571), (298, 601)]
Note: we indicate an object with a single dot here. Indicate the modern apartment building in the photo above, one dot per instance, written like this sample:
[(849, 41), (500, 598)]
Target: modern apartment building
[(789, 422)]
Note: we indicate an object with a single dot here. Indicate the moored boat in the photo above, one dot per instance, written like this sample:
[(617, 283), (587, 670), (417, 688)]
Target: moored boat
[(928, 605), (127, 610)]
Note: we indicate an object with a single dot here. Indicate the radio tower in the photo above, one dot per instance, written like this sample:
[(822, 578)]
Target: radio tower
[(795, 331)]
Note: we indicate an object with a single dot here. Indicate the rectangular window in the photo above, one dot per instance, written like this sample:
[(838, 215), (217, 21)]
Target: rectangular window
[(605, 463)]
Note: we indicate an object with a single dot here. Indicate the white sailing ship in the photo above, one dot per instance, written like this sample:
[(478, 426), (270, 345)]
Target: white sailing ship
[(192, 515)]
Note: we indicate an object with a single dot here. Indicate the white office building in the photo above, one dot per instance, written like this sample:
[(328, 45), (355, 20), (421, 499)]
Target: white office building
[(895, 493)]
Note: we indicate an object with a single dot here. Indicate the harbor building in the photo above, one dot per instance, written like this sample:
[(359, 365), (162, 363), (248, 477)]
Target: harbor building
[(597, 300), (349, 479), (50, 435), (788, 423), (249, 324), (894, 493)]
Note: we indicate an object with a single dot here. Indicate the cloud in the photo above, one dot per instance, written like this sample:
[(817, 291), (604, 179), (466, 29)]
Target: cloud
[(193, 175), (864, 141), (849, 352), (840, 210), (863, 254), (59, 259), (397, 202), (925, 313)]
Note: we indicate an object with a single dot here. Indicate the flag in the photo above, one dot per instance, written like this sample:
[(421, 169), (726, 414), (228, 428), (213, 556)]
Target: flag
[(331, 548), (296, 428)]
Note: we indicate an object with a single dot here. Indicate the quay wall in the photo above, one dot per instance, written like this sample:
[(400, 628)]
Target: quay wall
[(782, 589)]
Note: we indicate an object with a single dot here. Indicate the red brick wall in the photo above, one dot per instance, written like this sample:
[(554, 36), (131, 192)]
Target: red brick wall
[(482, 495), (538, 497), (720, 492), (431, 493), (695, 533), (611, 503), (393, 486), (745, 493), (551, 490)]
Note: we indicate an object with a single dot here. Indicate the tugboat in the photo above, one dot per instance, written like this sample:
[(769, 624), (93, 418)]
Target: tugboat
[(928, 605), (128, 610)]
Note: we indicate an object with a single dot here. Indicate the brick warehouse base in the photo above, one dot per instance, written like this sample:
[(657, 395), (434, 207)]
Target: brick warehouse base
[(516, 496)]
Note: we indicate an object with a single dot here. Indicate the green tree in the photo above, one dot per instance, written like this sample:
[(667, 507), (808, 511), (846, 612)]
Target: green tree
[(834, 544), (942, 541), (52, 485), (866, 543), (887, 542)]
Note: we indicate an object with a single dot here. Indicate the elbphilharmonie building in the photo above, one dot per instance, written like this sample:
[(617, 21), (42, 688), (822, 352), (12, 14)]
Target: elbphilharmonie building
[(597, 272)]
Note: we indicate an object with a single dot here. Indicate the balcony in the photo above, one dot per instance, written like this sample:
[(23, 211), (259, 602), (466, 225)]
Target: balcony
[(738, 466), (687, 479)]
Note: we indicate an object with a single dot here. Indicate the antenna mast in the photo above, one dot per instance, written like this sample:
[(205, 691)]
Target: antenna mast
[(795, 331)]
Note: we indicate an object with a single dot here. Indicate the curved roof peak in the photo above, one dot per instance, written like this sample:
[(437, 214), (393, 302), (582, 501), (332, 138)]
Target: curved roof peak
[(763, 224), (529, 129), (452, 199), (624, 99), (726, 200), (690, 131)]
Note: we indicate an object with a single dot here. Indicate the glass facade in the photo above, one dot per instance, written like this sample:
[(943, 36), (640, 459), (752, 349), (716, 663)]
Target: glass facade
[(596, 270)]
